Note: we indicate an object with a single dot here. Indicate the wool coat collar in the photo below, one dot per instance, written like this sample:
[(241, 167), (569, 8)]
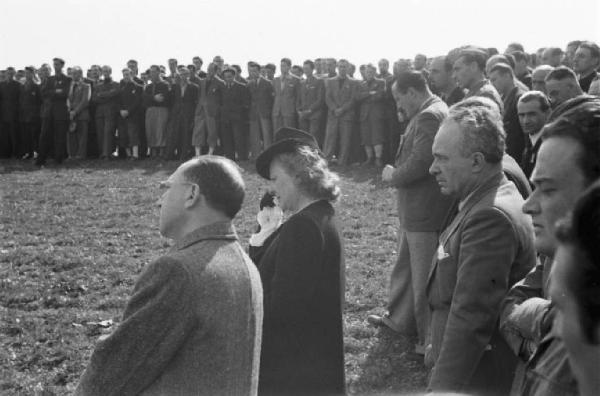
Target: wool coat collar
[(221, 230)]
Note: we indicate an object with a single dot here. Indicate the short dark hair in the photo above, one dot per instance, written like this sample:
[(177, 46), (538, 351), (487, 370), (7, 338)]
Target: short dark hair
[(555, 51), (237, 68), (270, 66), (470, 55), (503, 69), (517, 47), (592, 47), (520, 56), (252, 64), (132, 61), (582, 232), (561, 73), (287, 61), (310, 63), (574, 43), (197, 57), (481, 126), (411, 79), (220, 182), (579, 119), (59, 60), (536, 95)]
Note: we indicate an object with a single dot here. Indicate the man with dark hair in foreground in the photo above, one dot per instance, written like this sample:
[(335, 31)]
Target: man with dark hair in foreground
[(193, 325)]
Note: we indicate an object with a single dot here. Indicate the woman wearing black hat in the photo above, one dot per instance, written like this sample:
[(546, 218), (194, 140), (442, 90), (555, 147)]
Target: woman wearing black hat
[(302, 270)]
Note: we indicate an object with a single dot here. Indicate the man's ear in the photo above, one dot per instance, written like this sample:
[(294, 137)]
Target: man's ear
[(477, 162), (194, 196)]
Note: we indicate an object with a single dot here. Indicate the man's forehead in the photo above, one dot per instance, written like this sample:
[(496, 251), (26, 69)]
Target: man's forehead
[(557, 160)]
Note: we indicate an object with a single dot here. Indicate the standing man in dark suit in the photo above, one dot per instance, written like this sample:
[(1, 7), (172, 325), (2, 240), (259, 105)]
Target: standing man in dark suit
[(421, 208), (286, 88), (79, 99), (193, 325), (10, 90), (106, 96), (233, 108), (30, 100), (485, 249), (503, 79), (310, 100), (340, 95), (261, 107), (57, 89), (130, 114), (184, 97)]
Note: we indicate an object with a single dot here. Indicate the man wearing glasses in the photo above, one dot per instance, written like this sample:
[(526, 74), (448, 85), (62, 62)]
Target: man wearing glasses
[(193, 324)]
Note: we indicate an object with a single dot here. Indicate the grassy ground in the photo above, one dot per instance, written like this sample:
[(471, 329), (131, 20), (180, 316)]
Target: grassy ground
[(74, 239)]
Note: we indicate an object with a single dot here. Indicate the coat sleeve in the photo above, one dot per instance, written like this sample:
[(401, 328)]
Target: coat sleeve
[(416, 166), (488, 247), (524, 313), (157, 319), (85, 100), (297, 271)]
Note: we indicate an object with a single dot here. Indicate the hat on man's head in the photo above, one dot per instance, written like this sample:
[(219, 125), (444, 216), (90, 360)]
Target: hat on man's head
[(30, 69), (287, 140)]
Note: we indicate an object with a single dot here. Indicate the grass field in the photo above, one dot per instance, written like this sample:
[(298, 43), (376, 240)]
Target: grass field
[(74, 239)]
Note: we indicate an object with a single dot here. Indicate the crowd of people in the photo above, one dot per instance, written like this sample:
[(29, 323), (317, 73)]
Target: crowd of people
[(182, 111), (497, 174)]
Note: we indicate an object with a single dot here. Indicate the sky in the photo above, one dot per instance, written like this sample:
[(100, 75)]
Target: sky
[(85, 32)]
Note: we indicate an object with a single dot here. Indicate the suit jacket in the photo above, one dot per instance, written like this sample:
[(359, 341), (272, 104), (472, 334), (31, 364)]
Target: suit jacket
[(9, 100), (515, 137), (371, 106), (311, 97), (130, 98), (486, 89), (213, 96), (106, 95), (155, 88), (57, 89), (342, 97), (236, 101), (79, 99), (261, 98), (30, 100), (191, 327), (302, 273), (421, 205), (486, 249), (286, 97)]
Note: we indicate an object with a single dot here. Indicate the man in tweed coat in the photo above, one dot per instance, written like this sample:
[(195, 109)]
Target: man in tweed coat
[(193, 325)]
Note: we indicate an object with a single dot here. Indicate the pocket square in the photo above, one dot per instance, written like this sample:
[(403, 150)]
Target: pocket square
[(441, 254)]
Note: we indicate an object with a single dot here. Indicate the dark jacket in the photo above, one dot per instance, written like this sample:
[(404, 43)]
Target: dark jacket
[(159, 87), (9, 100), (261, 98), (421, 205), (191, 327), (486, 89), (302, 273), (312, 97), (213, 96), (371, 106), (130, 98), (57, 89), (515, 137), (30, 100), (235, 102)]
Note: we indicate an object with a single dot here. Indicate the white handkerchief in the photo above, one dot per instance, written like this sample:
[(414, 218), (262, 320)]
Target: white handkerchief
[(441, 254)]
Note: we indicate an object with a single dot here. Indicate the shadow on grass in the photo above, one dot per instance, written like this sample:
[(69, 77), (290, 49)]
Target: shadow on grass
[(389, 367)]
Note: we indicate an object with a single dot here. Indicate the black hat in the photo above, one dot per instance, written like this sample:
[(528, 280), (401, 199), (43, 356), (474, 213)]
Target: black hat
[(287, 140)]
